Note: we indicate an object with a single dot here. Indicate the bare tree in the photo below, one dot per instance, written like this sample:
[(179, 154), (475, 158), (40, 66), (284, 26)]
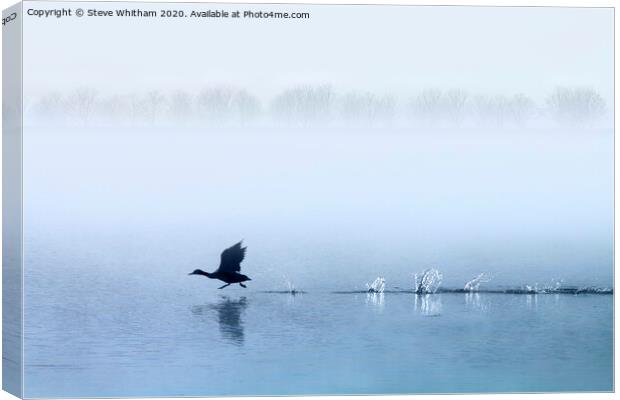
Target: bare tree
[(180, 108), (492, 109), (154, 102), (576, 105), (366, 107), (81, 104), (521, 109), (304, 104), (385, 108), (454, 103), (500, 110), (427, 106), (50, 108), (246, 106), (215, 103), (114, 108), (137, 108), (434, 106)]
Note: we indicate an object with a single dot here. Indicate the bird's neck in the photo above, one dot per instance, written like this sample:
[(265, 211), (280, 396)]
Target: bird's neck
[(207, 274)]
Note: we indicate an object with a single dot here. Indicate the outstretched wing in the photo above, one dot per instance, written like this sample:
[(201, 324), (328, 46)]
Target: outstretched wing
[(231, 258)]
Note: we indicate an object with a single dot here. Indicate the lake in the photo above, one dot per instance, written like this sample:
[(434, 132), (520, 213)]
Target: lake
[(139, 339)]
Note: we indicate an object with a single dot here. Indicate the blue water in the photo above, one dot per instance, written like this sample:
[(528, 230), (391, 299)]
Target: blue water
[(104, 335)]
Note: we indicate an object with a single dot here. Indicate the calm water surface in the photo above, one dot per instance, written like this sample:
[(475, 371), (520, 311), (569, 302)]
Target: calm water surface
[(179, 339)]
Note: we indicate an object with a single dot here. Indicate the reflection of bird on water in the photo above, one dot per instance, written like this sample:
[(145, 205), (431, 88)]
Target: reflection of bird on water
[(228, 316), (230, 265)]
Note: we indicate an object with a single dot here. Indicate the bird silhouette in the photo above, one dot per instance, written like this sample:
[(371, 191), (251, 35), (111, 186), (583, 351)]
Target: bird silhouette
[(230, 265)]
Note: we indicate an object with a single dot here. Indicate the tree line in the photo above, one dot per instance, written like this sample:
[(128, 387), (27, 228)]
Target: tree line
[(321, 105)]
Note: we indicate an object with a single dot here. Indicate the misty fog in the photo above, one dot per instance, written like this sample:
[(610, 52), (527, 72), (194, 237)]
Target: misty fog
[(330, 208), (363, 142)]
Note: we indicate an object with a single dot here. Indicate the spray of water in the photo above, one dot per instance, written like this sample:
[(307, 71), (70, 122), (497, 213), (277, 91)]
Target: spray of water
[(290, 286), (474, 284), (552, 287), (428, 281), (377, 286)]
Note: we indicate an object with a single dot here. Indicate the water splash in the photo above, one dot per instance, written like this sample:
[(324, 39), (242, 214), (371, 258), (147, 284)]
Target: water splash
[(377, 286), (521, 290), (291, 286), (428, 282), (474, 284), (555, 286), (292, 289)]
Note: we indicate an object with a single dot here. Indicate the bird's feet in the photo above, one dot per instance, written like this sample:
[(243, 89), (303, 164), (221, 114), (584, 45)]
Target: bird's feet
[(243, 286), (222, 287)]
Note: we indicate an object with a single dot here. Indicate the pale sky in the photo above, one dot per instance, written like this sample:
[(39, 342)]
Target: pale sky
[(378, 48)]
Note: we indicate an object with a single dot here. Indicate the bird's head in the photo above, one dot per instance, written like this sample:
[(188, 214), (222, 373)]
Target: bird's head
[(197, 272)]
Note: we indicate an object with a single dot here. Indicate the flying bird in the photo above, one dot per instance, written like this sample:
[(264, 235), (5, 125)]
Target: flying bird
[(230, 265)]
